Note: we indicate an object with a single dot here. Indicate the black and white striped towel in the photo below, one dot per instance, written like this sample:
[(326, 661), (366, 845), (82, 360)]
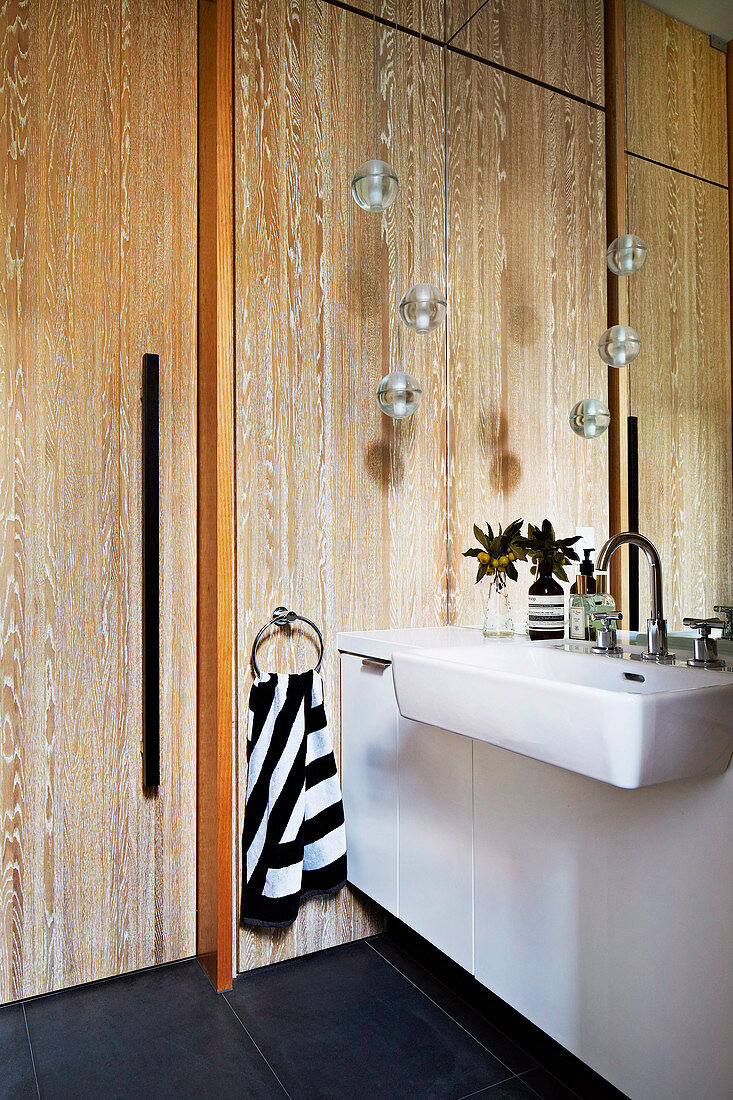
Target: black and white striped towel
[(294, 840)]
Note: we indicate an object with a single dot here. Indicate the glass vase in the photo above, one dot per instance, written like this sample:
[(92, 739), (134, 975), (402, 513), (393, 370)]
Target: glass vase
[(498, 621)]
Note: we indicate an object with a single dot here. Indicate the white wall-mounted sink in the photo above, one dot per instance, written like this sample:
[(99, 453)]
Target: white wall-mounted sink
[(623, 721)]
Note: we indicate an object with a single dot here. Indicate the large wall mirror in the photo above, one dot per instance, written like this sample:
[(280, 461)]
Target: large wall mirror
[(527, 166), (679, 389)]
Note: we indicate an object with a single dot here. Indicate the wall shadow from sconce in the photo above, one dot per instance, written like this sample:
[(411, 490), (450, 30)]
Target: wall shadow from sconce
[(506, 467)]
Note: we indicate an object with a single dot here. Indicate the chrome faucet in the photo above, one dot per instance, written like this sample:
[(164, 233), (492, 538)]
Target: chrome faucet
[(656, 626)]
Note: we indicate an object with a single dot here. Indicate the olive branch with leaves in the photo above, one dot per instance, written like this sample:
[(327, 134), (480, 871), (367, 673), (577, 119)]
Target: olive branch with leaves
[(497, 553)]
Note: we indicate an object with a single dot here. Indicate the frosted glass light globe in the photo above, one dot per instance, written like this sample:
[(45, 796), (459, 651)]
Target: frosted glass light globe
[(375, 185), (619, 346), (590, 418), (399, 395), (423, 308), (626, 254)]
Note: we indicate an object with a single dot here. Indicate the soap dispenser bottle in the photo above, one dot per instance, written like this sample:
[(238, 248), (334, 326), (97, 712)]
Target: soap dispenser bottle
[(581, 606), (586, 571)]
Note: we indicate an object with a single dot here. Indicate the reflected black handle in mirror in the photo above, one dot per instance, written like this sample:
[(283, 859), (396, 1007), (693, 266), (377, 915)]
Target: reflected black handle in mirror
[(151, 572)]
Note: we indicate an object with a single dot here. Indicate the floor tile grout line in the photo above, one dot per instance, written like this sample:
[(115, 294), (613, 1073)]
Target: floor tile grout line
[(249, 1035), (488, 1088), (30, 1051), (445, 1012), (464, 1002), (537, 1064), (570, 1092)]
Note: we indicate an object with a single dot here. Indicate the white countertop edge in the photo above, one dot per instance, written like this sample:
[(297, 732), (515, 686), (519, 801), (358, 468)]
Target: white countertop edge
[(383, 643)]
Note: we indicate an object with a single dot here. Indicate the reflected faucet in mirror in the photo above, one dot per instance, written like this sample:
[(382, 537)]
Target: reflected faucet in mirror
[(656, 626)]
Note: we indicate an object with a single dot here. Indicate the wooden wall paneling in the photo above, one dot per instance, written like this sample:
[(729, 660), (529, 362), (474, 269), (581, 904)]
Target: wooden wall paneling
[(77, 406), (18, 344), (87, 460), (61, 477), (681, 386), (73, 865), (156, 828), (618, 293), (457, 14), (676, 105), (543, 40), (412, 15), (340, 511), (215, 934), (519, 335)]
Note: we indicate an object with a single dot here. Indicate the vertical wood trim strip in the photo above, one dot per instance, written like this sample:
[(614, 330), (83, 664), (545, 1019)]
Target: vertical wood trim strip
[(215, 492), (618, 300), (225, 481), (206, 694)]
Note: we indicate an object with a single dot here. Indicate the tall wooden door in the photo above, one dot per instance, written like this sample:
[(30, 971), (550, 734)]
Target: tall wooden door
[(98, 266)]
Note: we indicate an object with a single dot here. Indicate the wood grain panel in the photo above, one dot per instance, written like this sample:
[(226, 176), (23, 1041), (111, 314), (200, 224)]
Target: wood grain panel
[(157, 828), (16, 351), (676, 96), (416, 15), (63, 330), (340, 511), (526, 261), (457, 13), (73, 865), (559, 42), (681, 386)]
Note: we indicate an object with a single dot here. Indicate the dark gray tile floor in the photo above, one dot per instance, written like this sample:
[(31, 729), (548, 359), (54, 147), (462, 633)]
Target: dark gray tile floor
[(17, 1078), (354, 1023)]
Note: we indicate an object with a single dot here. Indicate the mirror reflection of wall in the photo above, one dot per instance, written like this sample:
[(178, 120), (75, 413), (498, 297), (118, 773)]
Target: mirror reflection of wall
[(679, 389)]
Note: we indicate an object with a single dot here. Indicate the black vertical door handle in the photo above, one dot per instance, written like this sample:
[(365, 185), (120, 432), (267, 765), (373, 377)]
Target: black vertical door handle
[(151, 572)]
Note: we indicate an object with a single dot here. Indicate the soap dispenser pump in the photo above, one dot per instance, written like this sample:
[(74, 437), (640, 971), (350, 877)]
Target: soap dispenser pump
[(586, 571)]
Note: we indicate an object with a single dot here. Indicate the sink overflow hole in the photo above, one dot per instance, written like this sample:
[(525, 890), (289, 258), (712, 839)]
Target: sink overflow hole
[(635, 677)]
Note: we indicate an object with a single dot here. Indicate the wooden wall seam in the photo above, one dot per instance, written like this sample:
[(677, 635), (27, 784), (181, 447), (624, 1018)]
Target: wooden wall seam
[(675, 168), (539, 40), (676, 118)]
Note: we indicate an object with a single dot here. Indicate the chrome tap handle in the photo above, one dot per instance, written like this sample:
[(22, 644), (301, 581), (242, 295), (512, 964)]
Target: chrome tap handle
[(606, 633), (705, 648), (705, 625), (727, 612)]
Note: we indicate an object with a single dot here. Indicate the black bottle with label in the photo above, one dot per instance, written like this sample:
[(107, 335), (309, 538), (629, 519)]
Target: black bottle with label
[(546, 605)]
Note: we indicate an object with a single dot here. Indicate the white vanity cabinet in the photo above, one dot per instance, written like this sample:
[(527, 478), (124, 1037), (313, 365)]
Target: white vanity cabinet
[(436, 837), (600, 913), (369, 744), (407, 801)]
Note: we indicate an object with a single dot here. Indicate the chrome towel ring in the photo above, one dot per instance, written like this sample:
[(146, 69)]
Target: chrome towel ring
[(282, 617)]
